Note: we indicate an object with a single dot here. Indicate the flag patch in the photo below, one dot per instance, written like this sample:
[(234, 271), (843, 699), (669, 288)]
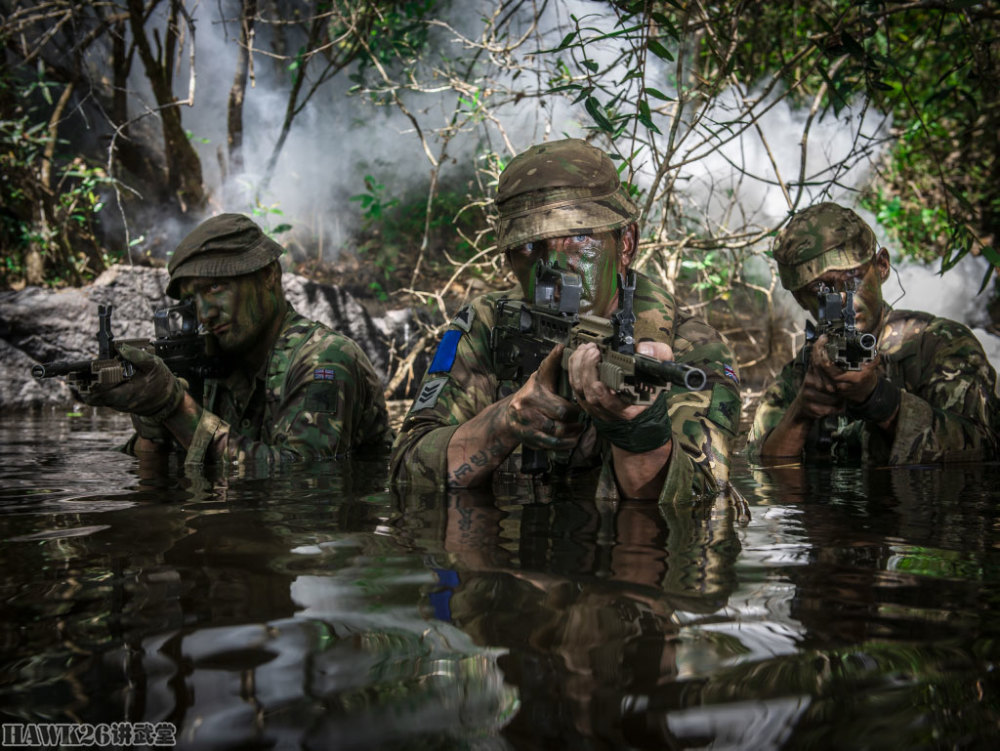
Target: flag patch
[(324, 374), (730, 373), (444, 358)]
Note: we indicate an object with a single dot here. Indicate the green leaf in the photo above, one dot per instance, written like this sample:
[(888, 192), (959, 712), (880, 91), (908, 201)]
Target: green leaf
[(646, 117), (665, 23), (991, 254), (594, 108), (986, 278), (567, 40), (657, 94), (591, 66), (659, 50), (281, 228), (851, 45)]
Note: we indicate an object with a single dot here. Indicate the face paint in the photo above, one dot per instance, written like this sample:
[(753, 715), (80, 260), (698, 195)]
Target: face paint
[(867, 286), (593, 257), (237, 310)]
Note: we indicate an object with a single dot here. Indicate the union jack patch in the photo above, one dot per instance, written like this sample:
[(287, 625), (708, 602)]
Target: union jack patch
[(324, 374), (730, 373)]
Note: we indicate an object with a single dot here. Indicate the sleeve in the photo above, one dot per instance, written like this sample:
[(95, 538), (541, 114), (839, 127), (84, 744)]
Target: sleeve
[(705, 423), (459, 384), (772, 407), (951, 413), (331, 403)]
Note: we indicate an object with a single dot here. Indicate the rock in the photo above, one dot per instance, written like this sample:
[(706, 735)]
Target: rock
[(39, 325)]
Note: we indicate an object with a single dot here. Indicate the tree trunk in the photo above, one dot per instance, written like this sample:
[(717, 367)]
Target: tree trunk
[(237, 92), (184, 177)]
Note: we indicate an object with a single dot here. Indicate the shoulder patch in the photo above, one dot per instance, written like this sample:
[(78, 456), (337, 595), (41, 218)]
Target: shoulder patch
[(444, 358), (324, 374), (429, 394), (321, 398), (730, 373), (724, 409), (463, 319)]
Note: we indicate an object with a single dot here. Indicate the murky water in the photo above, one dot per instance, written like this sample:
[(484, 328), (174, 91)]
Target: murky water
[(855, 609)]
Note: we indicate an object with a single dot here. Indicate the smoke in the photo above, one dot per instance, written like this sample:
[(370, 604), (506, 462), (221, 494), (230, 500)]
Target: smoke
[(734, 173)]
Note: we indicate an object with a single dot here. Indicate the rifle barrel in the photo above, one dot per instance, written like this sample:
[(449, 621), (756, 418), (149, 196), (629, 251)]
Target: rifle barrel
[(53, 369), (691, 378)]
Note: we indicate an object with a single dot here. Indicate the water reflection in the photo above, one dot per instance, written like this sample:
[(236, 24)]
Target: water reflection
[(587, 601), (314, 609)]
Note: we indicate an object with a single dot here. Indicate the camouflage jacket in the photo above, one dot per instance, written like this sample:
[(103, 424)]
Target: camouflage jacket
[(317, 397), (704, 422), (948, 410)]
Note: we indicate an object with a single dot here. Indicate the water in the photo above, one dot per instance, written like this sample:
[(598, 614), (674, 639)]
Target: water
[(854, 609)]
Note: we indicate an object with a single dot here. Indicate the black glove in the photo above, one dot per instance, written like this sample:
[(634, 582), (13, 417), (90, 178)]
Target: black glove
[(153, 392)]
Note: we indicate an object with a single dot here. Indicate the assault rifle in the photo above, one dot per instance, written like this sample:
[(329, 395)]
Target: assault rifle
[(189, 354), (524, 334), (846, 347)]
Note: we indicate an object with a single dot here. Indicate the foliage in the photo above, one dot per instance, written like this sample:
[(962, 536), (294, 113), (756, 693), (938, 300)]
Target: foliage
[(722, 115), (51, 198), (393, 225)]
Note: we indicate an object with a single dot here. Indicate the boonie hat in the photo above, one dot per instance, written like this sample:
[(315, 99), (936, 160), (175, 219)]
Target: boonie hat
[(557, 189), (821, 238), (225, 245)]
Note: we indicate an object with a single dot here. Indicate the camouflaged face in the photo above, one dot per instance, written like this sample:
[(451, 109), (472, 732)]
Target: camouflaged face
[(560, 189), (704, 423), (320, 397), (821, 238), (225, 245), (949, 407)]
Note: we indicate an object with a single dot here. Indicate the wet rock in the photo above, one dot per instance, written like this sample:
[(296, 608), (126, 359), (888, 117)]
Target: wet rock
[(40, 325)]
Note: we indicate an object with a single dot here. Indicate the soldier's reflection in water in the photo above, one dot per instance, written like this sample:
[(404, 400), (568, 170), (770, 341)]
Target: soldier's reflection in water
[(584, 596), (893, 554)]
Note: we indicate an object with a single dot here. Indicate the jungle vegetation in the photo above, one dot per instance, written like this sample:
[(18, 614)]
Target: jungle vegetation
[(892, 105)]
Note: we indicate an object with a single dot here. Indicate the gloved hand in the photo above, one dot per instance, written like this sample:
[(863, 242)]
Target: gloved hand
[(152, 393)]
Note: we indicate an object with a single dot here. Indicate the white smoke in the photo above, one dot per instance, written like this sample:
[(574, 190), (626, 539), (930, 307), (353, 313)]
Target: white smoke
[(728, 182)]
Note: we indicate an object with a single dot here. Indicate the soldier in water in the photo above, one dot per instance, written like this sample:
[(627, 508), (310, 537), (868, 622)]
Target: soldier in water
[(563, 202), (929, 395), (295, 389)]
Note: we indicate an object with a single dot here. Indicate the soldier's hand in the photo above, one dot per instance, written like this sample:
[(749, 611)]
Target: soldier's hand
[(537, 416), (817, 397), (595, 398), (153, 391), (852, 386)]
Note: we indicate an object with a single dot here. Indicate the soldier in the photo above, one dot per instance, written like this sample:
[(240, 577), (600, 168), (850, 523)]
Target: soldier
[(563, 201), (929, 394), (295, 389)]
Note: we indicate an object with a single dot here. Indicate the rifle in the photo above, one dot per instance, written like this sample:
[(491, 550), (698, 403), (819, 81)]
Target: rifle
[(189, 354), (847, 347), (525, 334)]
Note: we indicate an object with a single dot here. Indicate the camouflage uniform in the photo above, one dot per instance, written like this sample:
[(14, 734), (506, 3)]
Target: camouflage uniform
[(318, 397), (948, 409), (704, 423)]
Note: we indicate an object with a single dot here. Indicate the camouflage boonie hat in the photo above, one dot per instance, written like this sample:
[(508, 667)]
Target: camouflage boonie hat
[(558, 189), (821, 238), (225, 245)]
